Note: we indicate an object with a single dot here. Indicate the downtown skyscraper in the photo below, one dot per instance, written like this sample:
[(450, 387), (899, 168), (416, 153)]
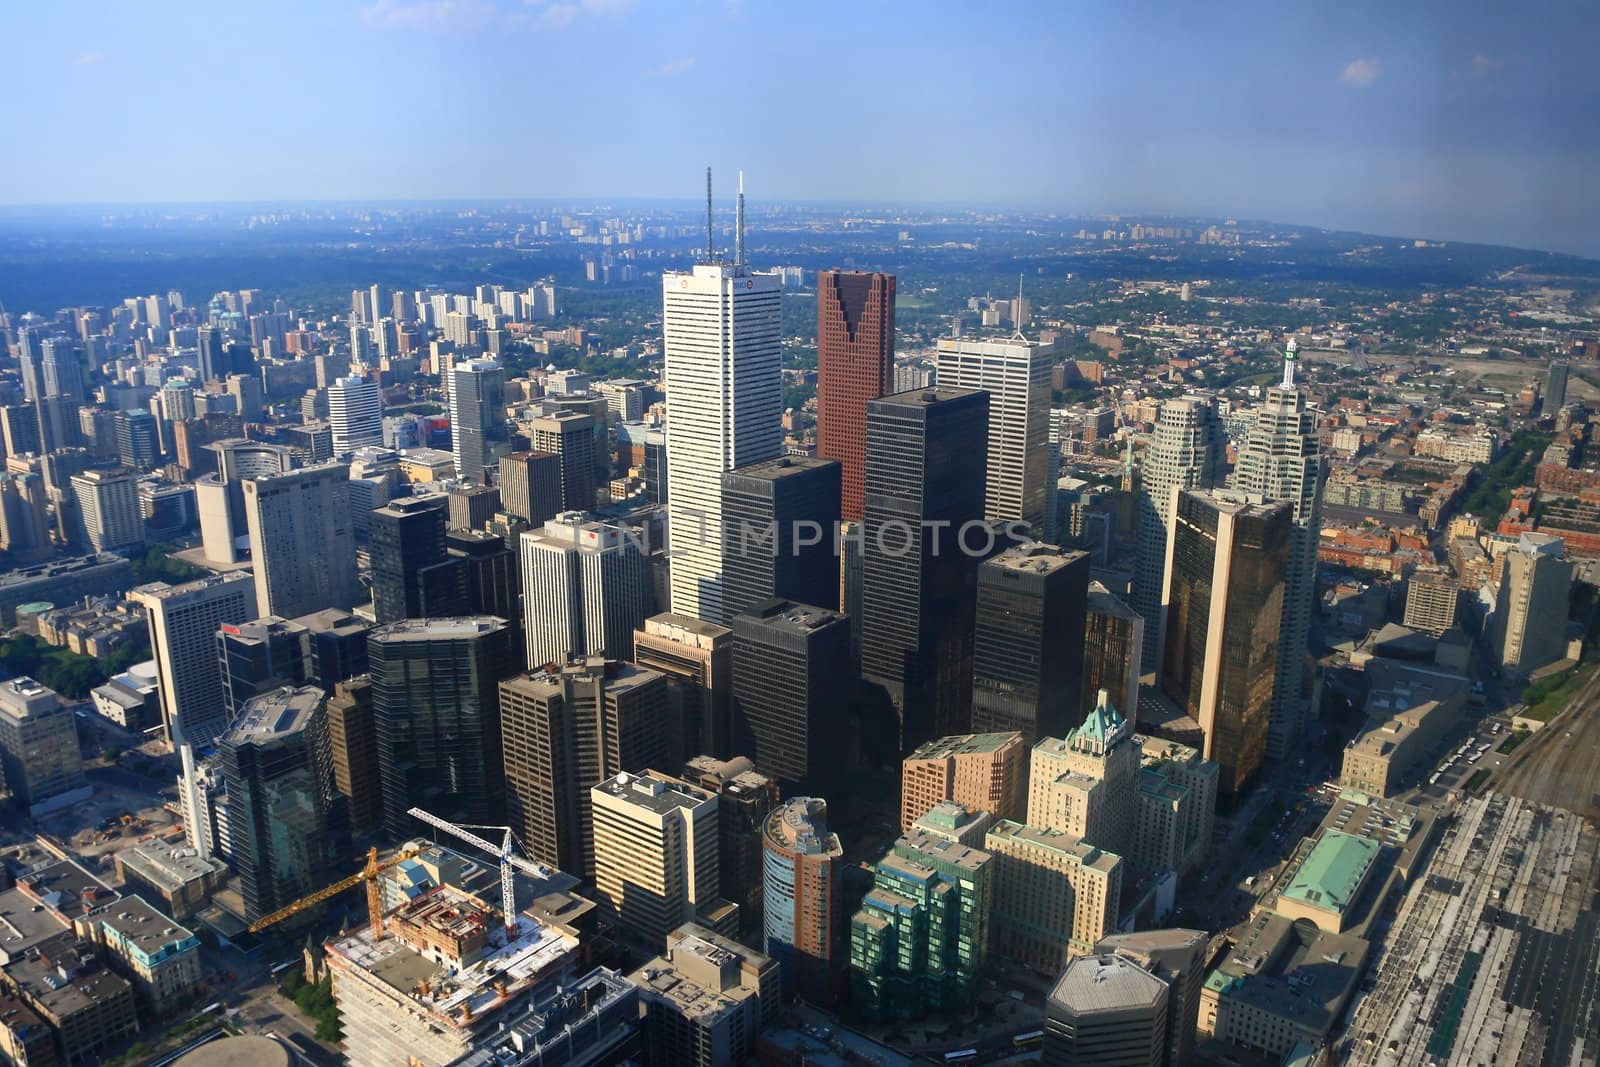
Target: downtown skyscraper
[(723, 335), (855, 362), (1016, 374), (1280, 461), (1028, 647), (436, 700), (927, 451), (302, 540), (478, 432), (1225, 574), (1187, 453)]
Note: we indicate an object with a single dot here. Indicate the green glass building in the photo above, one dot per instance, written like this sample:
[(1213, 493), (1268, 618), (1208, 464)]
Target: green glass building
[(922, 934)]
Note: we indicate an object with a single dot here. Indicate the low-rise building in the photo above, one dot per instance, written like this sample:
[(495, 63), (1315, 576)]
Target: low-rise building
[(1477, 446), (61, 581), (90, 1008), (174, 877), (131, 699), (954, 821), (1329, 881), (1408, 711), (1285, 983), (160, 957), (25, 1039), (705, 999)]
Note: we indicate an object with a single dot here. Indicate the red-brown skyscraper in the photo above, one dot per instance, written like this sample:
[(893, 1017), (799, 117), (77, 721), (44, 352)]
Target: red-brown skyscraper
[(855, 359)]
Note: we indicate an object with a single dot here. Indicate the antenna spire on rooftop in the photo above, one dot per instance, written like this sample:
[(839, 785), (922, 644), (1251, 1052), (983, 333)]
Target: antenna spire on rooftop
[(1016, 312), (738, 235), (709, 254), (1289, 357)]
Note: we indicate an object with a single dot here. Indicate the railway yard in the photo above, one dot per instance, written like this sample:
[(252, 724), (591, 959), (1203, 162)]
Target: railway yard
[(1494, 956)]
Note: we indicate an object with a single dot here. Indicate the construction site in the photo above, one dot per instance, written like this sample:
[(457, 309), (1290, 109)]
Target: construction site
[(443, 971), (1494, 956), (442, 956)]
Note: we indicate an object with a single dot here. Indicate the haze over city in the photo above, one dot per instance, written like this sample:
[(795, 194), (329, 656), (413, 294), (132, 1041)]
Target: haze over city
[(1435, 120)]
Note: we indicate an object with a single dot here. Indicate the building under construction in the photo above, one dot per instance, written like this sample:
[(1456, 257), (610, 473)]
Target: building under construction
[(445, 971)]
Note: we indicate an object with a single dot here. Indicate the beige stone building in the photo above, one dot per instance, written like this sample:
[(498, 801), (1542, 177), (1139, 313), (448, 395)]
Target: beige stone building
[(1055, 895), (1087, 784)]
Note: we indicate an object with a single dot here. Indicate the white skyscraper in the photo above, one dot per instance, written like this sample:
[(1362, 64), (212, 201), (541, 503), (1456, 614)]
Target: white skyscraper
[(583, 590), (108, 504), (183, 641), (1016, 374), (724, 408), (1186, 454), (355, 414), (1280, 460), (302, 540)]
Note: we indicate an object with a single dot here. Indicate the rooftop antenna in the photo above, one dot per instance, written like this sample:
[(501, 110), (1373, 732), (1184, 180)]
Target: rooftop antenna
[(709, 253), (738, 227), (1289, 357), (1016, 312)]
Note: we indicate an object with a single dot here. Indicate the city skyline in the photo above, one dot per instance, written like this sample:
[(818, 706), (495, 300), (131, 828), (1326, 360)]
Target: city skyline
[(681, 619), (1466, 128)]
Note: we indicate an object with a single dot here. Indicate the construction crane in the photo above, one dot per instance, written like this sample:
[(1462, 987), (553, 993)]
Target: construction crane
[(506, 852), (368, 874)]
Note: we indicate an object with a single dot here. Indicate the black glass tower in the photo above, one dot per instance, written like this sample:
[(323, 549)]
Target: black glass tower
[(413, 576), (288, 824), (1027, 667), (778, 531), (791, 666), (923, 536), (259, 656), (436, 698)]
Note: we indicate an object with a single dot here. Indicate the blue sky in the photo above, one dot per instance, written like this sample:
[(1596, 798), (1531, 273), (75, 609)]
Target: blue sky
[(1423, 118)]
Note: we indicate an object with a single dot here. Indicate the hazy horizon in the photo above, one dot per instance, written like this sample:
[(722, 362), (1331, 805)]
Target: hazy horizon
[(1428, 121)]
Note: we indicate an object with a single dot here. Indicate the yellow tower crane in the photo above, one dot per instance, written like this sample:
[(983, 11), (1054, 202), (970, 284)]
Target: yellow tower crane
[(368, 874)]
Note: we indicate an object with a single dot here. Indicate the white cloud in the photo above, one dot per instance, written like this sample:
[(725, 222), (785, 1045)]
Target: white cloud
[(461, 16), (1360, 73), (432, 16), (676, 66), (1483, 66), (558, 16), (89, 59)]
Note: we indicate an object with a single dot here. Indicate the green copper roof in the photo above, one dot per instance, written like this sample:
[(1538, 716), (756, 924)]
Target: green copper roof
[(1100, 724), (1333, 872)]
